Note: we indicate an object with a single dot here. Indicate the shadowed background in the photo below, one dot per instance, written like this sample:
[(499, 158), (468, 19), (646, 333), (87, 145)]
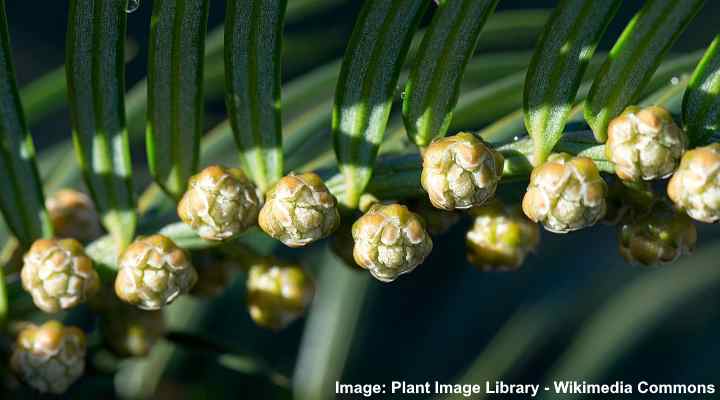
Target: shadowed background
[(575, 309)]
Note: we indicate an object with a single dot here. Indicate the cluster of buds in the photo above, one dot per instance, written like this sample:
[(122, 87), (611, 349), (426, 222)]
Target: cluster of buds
[(58, 274), (390, 240), (220, 203), (299, 209), (278, 293), (73, 215), (565, 194), (644, 144), (660, 236), (49, 357), (500, 238), (152, 272), (460, 171)]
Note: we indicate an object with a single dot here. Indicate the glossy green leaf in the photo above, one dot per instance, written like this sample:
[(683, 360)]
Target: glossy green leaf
[(21, 197), (432, 90), (512, 124), (701, 104), (253, 44), (367, 82), (96, 88), (557, 67), (175, 91), (634, 58)]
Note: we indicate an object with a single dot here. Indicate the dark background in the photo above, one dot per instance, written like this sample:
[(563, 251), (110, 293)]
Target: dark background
[(432, 324)]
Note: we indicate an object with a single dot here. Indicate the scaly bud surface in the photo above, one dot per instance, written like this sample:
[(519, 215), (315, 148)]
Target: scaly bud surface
[(695, 186), (661, 236), (500, 239), (278, 293), (390, 241), (644, 144), (58, 274), (460, 171), (50, 357), (298, 210), (565, 194), (220, 203), (152, 272), (73, 215)]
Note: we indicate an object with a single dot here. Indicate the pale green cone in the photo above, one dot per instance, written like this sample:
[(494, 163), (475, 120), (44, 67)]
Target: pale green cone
[(278, 293), (695, 186), (661, 236), (565, 194), (460, 171), (153, 272), (500, 238), (220, 203), (50, 357), (644, 144), (73, 215), (58, 274), (390, 241), (298, 210)]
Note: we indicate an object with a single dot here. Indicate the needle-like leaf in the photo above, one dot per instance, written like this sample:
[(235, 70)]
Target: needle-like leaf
[(21, 198), (557, 67), (253, 44), (96, 88), (701, 104), (432, 90), (367, 82), (175, 91), (634, 58)]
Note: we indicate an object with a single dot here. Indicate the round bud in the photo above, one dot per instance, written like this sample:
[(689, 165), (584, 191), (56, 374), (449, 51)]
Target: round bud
[(390, 241), (500, 239), (73, 215), (298, 210), (695, 187), (644, 144), (58, 274), (460, 171), (565, 194), (278, 293), (152, 272), (220, 203), (660, 236), (50, 357)]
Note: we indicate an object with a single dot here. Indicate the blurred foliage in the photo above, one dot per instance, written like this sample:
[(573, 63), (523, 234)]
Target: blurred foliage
[(574, 310)]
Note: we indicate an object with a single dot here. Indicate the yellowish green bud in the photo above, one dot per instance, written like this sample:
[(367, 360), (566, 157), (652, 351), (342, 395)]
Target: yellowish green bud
[(153, 272), (390, 241), (58, 274), (299, 209)]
